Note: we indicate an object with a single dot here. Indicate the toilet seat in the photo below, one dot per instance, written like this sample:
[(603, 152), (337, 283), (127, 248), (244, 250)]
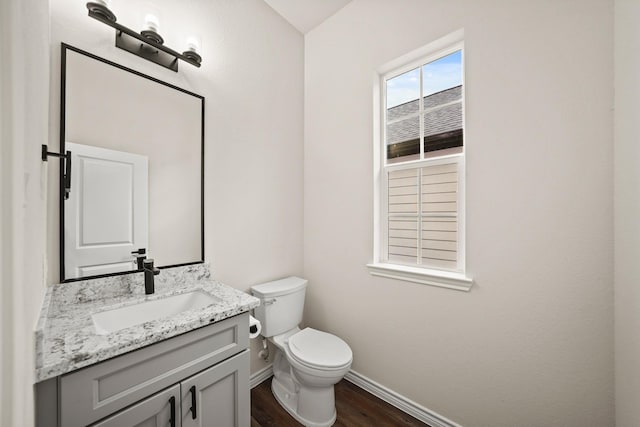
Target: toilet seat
[(319, 350)]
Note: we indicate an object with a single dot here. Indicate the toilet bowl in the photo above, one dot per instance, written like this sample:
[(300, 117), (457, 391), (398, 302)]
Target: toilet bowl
[(305, 373), (307, 362)]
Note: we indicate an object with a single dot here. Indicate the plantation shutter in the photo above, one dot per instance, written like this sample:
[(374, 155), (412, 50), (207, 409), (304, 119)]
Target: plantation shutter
[(422, 215)]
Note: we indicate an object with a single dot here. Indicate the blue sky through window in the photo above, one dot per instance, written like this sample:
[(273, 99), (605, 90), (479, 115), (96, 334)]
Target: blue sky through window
[(441, 74)]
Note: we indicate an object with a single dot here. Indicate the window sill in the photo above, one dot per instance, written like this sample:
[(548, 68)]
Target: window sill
[(443, 279)]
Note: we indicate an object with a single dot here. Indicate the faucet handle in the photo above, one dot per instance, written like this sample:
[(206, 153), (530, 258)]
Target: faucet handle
[(140, 255)]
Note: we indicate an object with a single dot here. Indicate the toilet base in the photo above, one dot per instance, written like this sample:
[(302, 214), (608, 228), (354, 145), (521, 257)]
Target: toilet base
[(311, 406), (285, 394)]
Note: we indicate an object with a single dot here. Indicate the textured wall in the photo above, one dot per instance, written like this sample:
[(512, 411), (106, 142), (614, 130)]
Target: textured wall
[(24, 91), (532, 343), (627, 212)]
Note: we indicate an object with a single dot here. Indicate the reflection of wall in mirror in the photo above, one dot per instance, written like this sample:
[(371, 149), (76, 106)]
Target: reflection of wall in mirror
[(141, 116)]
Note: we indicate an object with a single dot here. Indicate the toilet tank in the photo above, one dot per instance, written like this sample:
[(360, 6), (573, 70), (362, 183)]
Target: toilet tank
[(281, 304)]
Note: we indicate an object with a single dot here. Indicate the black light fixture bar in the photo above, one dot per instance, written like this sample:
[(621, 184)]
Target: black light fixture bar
[(142, 46)]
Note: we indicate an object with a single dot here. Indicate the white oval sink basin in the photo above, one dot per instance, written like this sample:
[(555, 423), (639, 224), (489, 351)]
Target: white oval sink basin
[(109, 321)]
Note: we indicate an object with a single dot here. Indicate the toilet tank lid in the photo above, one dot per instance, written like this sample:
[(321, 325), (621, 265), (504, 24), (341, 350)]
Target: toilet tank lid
[(279, 287)]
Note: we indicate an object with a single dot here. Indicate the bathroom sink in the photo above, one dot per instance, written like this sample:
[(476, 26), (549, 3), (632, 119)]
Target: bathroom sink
[(109, 321)]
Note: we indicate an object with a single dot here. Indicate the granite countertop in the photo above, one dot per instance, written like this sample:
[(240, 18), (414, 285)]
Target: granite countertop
[(66, 338)]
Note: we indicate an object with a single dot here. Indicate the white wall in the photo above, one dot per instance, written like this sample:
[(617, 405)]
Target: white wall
[(252, 79), (532, 343), (627, 212), (24, 78)]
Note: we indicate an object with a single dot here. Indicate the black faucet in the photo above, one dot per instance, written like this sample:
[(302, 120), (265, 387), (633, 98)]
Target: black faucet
[(149, 272)]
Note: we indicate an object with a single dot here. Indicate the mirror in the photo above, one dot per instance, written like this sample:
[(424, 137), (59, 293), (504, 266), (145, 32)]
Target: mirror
[(137, 174)]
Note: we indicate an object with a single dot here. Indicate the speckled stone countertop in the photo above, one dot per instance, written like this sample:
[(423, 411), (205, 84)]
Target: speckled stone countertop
[(66, 338)]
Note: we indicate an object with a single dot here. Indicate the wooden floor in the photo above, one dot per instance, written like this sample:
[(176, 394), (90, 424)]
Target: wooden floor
[(355, 407)]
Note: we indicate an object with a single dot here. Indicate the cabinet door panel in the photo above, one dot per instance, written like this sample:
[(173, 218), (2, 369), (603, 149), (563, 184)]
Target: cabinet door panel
[(222, 396), (152, 412)]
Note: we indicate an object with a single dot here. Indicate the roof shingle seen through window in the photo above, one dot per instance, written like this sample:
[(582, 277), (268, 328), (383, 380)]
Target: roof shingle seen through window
[(444, 114)]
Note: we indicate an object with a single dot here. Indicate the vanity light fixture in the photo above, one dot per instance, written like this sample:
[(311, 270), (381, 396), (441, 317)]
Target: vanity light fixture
[(147, 44)]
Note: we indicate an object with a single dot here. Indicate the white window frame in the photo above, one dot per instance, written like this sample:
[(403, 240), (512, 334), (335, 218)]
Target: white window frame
[(451, 279)]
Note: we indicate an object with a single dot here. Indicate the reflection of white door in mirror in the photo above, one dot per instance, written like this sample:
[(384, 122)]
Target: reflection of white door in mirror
[(106, 215)]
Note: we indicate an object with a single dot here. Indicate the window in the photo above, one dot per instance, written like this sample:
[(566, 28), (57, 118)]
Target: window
[(420, 184)]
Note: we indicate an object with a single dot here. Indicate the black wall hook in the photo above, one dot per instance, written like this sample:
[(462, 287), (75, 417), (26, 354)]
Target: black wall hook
[(67, 165)]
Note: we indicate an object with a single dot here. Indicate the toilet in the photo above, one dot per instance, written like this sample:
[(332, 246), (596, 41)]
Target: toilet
[(307, 362)]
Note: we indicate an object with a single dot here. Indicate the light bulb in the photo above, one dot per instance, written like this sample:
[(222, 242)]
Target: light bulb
[(151, 23), (193, 44)]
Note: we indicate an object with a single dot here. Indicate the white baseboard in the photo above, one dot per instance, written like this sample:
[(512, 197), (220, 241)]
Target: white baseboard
[(261, 376), (405, 405)]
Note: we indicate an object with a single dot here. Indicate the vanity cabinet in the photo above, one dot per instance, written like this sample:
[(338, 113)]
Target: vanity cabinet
[(209, 398), (206, 369)]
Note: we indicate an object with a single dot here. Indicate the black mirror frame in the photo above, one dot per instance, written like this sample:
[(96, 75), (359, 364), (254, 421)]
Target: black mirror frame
[(63, 65)]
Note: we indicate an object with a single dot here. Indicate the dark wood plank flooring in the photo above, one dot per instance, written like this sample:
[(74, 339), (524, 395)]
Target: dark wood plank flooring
[(356, 408)]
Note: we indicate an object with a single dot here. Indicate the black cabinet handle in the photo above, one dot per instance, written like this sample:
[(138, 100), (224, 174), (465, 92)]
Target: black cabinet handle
[(172, 402), (194, 413)]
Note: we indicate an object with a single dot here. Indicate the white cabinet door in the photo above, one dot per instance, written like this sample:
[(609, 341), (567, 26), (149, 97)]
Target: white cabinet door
[(218, 396), (106, 215)]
